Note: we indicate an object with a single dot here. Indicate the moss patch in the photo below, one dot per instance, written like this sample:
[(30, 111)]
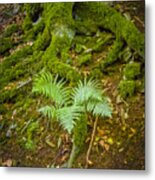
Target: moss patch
[(127, 88), (132, 70)]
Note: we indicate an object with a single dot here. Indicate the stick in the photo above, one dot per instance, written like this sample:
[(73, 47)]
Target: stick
[(91, 143)]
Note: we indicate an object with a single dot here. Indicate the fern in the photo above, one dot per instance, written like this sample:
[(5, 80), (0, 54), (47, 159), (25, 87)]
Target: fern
[(65, 115), (50, 87), (68, 116), (85, 91), (67, 109), (89, 93), (48, 111), (99, 108)]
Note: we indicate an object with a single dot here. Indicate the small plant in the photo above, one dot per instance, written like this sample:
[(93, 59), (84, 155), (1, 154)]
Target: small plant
[(61, 108), (69, 106)]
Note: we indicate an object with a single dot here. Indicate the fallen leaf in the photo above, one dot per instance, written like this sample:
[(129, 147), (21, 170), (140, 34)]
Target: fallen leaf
[(100, 132), (90, 162), (7, 163), (50, 143), (106, 146), (110, 141)]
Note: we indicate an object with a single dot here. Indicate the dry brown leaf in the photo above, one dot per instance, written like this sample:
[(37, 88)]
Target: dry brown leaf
[(7, 163), (90, 162), (106, 146)]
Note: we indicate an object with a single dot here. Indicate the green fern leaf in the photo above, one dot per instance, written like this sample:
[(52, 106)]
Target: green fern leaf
[(68, 116), (50, 87), (85, 91), (48, 111), (99, 108)]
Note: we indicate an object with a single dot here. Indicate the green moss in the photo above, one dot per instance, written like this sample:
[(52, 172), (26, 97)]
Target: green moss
[(108, 18), (16, 57), (56, 14), (79, 137), (59, 21), (3, 109), (105, 38), (37, 28), (43, 40), (33, 10), (84, 59), (96, 73), (7, 95), (64, 70), (30, 142), (62, 37), (132, 70), (27, 24), (13, 28), (80, 132), (13, 66), (127, 88), (78, 48), (5, 44), (113, 55)]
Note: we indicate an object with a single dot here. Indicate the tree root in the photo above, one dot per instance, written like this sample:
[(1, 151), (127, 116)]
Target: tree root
[(91, 143)]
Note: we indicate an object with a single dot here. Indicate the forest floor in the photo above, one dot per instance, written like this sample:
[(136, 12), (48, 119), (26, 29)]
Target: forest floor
[(119, 141)]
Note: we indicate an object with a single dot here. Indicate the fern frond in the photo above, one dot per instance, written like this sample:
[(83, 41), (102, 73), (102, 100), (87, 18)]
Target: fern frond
[(99, 108), (50, 87), (48, 111), (85, 91), (68, 116)]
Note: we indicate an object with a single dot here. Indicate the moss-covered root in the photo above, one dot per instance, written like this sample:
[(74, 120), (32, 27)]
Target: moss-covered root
[(108, 18), (132, 70), (113, 54), (79, 136), (60, 24)]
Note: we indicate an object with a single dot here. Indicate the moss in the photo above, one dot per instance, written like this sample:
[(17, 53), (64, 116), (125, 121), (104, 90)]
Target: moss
[(132, 70), (80, 132), (84, 59), (127, 88), (79, 137), (30, 143), (9, 68), (113, 55), (57, 14), (33, 10), (64, 70), (11, 29), (43, 40), (96, 73), (62, 37), (78, 48), (59, 21), (37, 28), (3, 109), (5, 44), (16, 57), (102, 41), (7, 95), (27, 24), (109, 19)]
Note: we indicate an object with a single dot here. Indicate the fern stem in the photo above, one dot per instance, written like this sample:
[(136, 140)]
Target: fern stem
[(74, 152), (91, 143)]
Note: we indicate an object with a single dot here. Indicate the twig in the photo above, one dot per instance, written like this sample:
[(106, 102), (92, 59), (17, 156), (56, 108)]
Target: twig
[(139, 20), (91, 143), (24, 83)]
